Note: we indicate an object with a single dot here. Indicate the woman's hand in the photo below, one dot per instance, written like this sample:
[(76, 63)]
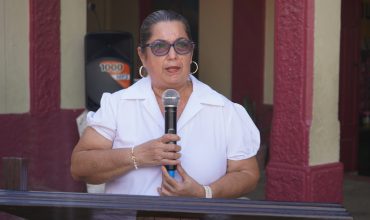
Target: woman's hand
[(158, 151), (188, 187), (241, 178)]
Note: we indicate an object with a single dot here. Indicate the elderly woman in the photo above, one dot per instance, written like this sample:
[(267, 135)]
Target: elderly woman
[(125, 146)]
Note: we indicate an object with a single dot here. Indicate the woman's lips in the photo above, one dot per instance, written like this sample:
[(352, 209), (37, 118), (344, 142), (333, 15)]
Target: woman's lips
[(173, 69)]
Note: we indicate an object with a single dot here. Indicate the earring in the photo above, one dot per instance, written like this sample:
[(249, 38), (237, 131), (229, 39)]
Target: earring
[(196, 67), (141, 70)]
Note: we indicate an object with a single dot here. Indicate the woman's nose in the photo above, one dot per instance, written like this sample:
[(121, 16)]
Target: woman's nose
[(172, 53)]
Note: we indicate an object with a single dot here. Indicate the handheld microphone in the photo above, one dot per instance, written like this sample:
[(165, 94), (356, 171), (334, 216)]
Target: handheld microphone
[(170, 99)]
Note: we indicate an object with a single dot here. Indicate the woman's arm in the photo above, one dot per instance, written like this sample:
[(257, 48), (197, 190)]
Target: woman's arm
[(94, 161), (241, 177)]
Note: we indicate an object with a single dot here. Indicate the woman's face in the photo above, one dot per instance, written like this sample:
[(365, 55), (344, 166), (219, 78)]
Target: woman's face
[(170, 70)]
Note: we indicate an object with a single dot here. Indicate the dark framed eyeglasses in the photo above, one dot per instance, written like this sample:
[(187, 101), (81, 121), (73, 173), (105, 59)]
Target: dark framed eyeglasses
[(161, 47)]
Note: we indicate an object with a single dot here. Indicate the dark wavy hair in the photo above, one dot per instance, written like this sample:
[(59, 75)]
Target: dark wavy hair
[(159, 16)]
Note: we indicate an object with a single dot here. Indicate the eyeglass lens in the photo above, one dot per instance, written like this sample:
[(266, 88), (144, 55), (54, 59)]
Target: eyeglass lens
[(181, 46)]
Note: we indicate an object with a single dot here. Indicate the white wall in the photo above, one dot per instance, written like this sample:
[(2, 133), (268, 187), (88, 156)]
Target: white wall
[(73, 30), (324, 134), (14, 57), (215, 44)]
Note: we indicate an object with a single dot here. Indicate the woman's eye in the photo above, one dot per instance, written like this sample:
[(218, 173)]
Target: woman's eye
[(160, 45)]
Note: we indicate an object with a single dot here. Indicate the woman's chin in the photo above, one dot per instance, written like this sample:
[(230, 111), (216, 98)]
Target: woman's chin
[(176, 81)]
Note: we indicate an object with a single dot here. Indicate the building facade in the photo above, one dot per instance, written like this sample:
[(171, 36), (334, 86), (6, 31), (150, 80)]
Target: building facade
[(280, 59)]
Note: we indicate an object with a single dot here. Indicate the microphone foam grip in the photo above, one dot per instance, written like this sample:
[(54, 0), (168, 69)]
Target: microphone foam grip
[(170, 98)]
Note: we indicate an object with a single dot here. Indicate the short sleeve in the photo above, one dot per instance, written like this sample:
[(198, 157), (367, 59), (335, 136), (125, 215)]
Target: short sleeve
[(103, 120), (242, 135)]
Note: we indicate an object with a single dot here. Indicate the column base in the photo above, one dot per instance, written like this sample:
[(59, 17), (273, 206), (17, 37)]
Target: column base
[(321, 183)]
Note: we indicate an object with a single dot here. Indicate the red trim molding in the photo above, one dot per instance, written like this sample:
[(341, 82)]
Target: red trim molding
[(289, 176), (326, 183), (44, 55), (47, 141)]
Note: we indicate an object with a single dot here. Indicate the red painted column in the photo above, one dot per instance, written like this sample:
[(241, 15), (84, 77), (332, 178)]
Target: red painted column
[(289, 175), (44, 56)]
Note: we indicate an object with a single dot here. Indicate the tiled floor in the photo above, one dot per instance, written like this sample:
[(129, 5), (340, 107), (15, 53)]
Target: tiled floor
[(356, 191)]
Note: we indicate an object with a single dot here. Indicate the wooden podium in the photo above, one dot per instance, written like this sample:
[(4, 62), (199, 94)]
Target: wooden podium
[(66, 205)]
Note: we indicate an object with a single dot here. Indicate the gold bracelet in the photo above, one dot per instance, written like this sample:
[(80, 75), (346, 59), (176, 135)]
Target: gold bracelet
[(133, 158)]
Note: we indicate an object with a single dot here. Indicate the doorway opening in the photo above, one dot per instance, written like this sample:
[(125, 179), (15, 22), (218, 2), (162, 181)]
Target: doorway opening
[(354, 94)]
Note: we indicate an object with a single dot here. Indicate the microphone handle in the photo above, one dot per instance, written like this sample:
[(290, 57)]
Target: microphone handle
[(170, 114)]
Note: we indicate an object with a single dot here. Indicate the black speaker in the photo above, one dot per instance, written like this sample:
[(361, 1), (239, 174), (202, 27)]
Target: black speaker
[(108, 64)]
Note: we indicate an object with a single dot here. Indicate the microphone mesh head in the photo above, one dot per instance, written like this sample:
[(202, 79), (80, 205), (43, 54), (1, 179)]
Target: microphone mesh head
[(170, 98)]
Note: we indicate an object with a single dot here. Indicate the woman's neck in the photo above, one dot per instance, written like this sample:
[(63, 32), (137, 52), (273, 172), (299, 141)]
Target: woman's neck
[(184, 91)]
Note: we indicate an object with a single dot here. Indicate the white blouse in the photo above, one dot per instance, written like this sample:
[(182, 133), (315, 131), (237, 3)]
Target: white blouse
[(212, 130)]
